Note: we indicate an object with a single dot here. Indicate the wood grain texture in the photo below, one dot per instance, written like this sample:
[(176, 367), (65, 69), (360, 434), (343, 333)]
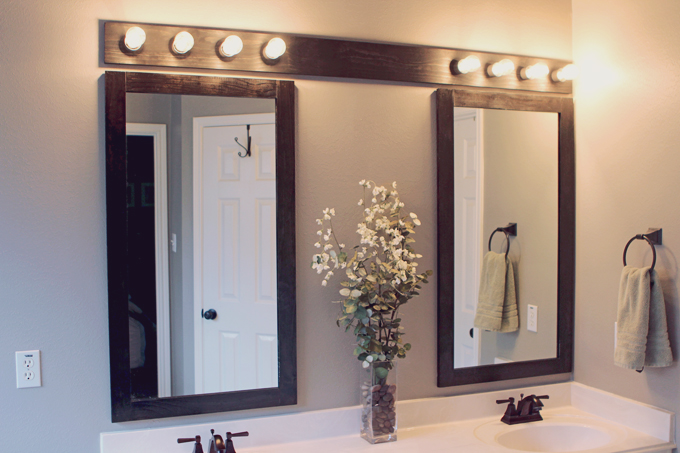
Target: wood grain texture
[(446, 99), (123, 407), (136, 82), (285, 238), (567, 235), (322, 57), (445, 236), (116, 233)]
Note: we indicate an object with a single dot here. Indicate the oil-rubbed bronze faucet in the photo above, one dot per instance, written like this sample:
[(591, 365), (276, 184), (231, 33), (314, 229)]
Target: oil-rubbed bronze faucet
[(230, 444), (527, 410), (216, 443), (198, 448)]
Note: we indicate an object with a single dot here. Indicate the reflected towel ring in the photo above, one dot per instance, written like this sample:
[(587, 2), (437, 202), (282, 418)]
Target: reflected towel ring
[(507, 239), (509, 230)]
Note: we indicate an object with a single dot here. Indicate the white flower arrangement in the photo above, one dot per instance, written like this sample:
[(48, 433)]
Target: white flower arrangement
[(382, 273)]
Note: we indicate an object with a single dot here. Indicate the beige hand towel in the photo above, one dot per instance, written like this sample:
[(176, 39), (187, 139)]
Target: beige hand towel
[(642, 331), (497, 304)]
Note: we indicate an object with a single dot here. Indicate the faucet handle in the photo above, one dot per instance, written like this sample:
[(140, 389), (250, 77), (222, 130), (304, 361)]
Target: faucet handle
[(230, 443), (198, 448), (510, 400), (537, 401)]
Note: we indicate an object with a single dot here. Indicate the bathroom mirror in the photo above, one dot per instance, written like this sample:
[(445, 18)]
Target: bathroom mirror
[(200, 203), (505, 159)]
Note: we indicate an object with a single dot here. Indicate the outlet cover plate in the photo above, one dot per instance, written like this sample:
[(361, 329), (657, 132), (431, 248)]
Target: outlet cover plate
[(28, 369), (532, 318)]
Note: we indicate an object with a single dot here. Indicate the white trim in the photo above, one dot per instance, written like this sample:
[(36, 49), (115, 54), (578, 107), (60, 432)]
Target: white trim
[(159, 133), (474, 239), (479, 119), (199, 124)]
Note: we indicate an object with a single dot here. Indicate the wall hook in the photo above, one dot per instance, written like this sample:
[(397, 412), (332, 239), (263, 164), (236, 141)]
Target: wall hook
[(248, 148)]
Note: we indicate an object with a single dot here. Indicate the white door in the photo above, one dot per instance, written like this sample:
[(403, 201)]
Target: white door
[(235, 253), (467, 164)]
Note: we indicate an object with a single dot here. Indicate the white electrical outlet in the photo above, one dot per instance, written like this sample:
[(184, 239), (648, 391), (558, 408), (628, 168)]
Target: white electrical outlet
[(532, 318), (28, 369)]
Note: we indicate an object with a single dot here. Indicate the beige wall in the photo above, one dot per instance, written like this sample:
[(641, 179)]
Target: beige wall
[(627, 135), (52, 222), (520, 186)]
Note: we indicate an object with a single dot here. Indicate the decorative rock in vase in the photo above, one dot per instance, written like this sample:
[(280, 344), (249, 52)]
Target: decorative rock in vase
[(378, 402)]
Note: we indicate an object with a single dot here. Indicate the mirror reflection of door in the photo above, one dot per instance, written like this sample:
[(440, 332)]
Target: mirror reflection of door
[(468, 175), (506, 171), (234, 253), (166, 328)]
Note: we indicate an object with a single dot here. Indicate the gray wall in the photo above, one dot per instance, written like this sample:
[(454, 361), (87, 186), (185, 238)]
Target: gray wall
[(52, 226), (627, 136), (520, 186)]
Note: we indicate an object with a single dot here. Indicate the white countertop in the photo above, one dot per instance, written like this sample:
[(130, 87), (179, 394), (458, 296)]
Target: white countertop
[(426, 425), (457, 436)]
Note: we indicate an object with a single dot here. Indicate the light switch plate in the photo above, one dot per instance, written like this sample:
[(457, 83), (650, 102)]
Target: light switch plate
[(532, 318), (28, 369)]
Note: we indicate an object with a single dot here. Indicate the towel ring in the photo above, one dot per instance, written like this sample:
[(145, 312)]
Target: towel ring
[(507, 239), (508, 230), (651, 244)]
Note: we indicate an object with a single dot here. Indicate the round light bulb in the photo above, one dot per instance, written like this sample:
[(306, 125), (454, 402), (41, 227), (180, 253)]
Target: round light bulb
[(134, 38), (501, 68), (468, 64), (275, 48), (569, 72), (535, 71), (183, 42), (232, 45)]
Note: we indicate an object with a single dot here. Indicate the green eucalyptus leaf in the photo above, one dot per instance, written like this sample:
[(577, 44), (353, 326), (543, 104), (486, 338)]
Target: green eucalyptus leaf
[(381, 372)]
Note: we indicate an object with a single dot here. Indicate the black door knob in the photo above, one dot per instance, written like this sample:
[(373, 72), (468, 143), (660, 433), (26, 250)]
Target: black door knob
[(210, 314), (472, 332)]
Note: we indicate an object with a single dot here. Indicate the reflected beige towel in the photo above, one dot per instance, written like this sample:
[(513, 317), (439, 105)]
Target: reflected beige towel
[(641, 329), (497, 304)]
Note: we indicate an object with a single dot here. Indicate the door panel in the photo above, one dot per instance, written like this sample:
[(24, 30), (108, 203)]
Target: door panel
[(237, 235)]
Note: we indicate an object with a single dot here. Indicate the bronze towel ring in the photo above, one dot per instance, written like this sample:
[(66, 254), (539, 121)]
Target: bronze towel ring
[(509, 230), (653, 236)]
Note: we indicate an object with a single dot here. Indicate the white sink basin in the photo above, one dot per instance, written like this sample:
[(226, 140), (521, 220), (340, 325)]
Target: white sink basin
[(556, 433)]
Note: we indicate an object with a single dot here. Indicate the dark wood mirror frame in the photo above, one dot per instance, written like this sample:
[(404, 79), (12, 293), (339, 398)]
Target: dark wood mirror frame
[(123, 407), (447, 99)]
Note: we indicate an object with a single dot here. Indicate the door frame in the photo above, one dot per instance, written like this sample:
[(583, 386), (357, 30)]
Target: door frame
[(160, 179), (199, 123)]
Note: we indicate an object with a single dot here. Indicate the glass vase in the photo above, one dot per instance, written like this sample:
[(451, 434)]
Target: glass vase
[(379, 402)]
